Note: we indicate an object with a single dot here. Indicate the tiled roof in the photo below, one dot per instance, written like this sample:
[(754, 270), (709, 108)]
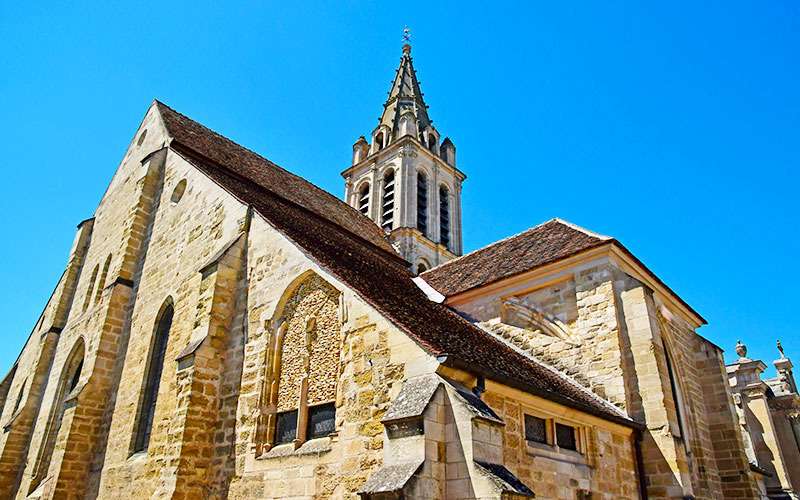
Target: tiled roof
[(242, 162), (387, 285), (545, 243)]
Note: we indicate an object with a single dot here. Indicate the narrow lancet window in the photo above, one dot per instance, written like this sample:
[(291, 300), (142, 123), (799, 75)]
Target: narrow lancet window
[(363, 200), (69, 380), (387, 207), (422, 203), (676, 395), (102, 282), (444, 217), (145, 422), (92, 280)]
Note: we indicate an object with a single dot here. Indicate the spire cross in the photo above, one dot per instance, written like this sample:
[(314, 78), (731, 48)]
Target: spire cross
[(407, 34)]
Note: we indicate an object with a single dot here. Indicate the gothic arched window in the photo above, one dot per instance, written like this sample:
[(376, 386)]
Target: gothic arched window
[(88, 298), (444, 217), (19, 396), (387, 205), (677, 397), (102, 282), (363, 199), (379, 141), (146, 413), (422, 203), (70, 376), (300, 388)]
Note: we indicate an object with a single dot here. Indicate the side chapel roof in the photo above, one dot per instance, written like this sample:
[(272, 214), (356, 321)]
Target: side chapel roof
[(548, 242), (337, 242)]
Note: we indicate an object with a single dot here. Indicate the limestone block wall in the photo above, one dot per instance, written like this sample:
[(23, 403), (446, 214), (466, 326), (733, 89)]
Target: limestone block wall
[(618, 351), (185, 233), (605, 469), (736, 479), (372, 356), (582, 298)]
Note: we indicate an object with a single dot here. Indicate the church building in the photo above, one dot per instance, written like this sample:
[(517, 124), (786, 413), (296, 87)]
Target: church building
[(224, 329)]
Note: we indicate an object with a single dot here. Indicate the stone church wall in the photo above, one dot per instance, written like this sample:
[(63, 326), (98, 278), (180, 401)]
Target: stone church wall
[(604, 470), (373, 355), (584, 300), (616, 350)]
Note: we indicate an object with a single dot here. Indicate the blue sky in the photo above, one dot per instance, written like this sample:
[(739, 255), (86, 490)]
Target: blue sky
[(673, 128)]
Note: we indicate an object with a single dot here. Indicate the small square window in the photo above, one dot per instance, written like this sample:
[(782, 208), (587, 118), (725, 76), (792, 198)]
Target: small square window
[(286, 427), (321, 420), (535, 429), (565, 437)]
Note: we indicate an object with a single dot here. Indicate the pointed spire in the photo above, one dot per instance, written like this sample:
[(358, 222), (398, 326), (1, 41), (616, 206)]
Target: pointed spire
[(405, 96)]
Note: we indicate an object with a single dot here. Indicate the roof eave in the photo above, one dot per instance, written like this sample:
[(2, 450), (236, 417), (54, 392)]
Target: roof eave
[(452, 361)]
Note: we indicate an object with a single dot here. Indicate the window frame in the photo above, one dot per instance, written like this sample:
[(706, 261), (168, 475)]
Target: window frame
[(145, 419), (581, 432)]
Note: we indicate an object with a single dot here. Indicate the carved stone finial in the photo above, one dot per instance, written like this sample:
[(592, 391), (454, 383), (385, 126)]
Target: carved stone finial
[(741, 350), (780, 349)]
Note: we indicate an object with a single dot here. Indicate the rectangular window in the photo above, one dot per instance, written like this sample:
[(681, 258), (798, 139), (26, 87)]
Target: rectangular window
[(286, 427), (321, 420), (565, 437), (535, 429)]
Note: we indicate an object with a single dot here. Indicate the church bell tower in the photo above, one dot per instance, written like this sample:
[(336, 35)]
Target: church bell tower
[(405, 179)]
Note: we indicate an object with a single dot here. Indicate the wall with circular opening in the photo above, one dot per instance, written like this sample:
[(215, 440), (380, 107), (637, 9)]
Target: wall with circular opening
[(177, 193)]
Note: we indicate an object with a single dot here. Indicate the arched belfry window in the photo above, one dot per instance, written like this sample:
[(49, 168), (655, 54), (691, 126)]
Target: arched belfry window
[(422, 203), (144, 424), (363, 199), (387, 203), (299, 392), (70, 376), (444, 217)]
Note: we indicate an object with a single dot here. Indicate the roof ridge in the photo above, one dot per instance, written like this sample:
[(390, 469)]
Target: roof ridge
[(364, 227), (238, 145), (336, 226), (583, 229), (460, 257)]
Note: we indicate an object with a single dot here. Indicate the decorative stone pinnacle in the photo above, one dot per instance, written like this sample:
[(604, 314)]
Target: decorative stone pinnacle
[(780, 349), (741, 350)]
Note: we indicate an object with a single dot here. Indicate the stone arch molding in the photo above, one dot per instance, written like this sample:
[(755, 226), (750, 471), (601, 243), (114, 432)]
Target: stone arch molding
[(515, 312), (302, 358)]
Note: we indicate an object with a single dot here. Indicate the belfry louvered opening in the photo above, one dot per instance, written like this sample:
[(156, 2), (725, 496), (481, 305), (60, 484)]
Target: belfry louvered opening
[(444, 217), (387, 205), (422, 203), (363, 200)]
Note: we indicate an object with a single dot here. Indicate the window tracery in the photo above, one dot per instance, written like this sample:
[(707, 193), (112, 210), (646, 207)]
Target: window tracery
[(299, 389)]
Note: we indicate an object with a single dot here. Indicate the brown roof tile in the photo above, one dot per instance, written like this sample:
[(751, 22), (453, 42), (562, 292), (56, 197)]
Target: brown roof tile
[(545, 243), (387, 285), (249, 165)]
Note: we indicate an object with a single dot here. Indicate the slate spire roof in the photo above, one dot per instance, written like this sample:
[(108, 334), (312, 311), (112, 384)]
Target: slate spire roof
[(322, 227), (405, 95)]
